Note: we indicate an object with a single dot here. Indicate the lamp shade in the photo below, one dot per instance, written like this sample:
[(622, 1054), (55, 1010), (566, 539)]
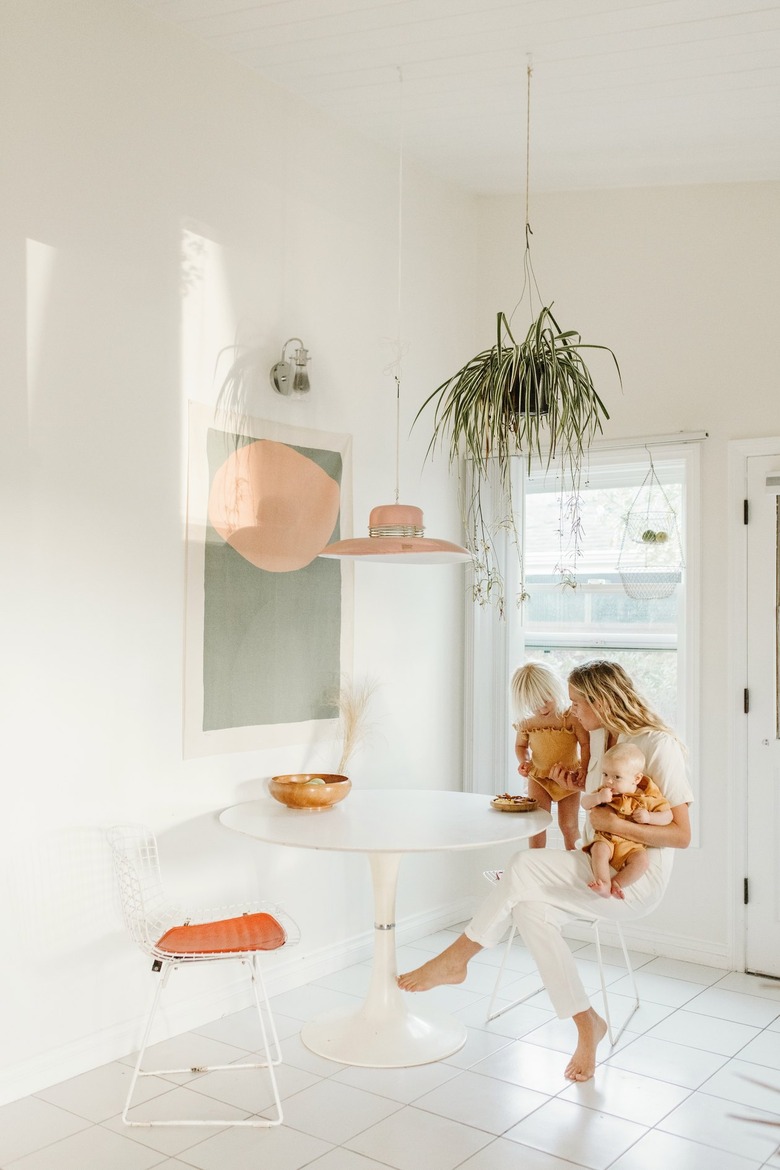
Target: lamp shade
[(396, 537)]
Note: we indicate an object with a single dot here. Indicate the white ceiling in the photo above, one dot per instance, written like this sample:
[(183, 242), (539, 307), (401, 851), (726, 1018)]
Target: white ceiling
[(624, 92)]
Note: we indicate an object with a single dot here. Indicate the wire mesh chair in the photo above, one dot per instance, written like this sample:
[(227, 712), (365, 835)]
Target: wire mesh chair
[(174, 937), (494, 876)]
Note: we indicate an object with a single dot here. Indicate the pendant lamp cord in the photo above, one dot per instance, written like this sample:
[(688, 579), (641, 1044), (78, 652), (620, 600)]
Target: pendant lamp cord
[(397, 437), (400, 283)]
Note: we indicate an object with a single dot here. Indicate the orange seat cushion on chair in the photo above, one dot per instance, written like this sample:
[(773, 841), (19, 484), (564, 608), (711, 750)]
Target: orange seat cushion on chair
[(250, 932)]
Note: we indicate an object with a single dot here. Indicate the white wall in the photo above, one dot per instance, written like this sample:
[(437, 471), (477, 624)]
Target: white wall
[(683, 283), (118, 132)]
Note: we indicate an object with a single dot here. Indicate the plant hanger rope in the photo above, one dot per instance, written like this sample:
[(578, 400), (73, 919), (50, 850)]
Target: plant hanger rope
[(651, 482), (529, 276), (531, 395), (528, 73)]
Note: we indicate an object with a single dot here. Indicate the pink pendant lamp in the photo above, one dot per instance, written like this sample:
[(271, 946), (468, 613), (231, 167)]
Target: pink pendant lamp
[(395, 535), (395, 531)]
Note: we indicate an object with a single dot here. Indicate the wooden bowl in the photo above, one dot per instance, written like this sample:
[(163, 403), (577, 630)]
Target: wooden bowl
[(309, 790)]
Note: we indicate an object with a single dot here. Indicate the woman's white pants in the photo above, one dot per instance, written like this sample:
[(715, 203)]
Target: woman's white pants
[(542, 890)]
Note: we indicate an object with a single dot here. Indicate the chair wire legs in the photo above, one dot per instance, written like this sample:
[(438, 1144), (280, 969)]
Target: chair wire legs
[(614, 1036), (493, 876), (272, 1051)]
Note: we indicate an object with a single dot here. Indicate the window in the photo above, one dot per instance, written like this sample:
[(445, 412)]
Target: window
[(598, 619), (655, 639)]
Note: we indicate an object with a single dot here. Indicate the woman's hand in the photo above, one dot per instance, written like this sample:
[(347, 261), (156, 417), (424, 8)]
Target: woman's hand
[(675, 835), (524, 768), (574, 781), (605, 820)]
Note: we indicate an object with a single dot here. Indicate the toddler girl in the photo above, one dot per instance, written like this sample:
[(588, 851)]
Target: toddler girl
[(548, 734)]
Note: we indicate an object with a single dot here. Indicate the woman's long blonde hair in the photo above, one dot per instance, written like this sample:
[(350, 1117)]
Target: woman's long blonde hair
[(612, 695)]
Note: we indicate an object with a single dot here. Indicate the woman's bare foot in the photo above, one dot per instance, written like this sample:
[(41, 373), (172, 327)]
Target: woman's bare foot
[(600, 888), (616, 890), (451, 966), (591, 1030)]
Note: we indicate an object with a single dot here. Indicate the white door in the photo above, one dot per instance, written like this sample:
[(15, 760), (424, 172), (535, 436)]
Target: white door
[(763, 746)]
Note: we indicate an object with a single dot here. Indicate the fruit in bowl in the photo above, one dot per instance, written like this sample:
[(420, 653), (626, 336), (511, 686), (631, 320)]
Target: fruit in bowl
[(309, 790)]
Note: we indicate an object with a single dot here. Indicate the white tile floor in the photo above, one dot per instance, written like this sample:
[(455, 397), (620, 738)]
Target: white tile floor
[(695, 1085)]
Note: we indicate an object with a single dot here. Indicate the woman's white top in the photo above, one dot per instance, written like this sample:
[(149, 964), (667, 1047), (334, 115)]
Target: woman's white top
[(664, 763)]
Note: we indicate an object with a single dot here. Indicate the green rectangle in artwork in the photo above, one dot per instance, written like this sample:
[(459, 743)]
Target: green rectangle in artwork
[(272, 640)]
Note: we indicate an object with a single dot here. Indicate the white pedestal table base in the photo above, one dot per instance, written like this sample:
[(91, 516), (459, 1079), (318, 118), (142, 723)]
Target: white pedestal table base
[(391, 1029)]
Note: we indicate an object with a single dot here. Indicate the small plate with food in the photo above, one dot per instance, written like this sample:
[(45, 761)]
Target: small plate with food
[(508, 803)]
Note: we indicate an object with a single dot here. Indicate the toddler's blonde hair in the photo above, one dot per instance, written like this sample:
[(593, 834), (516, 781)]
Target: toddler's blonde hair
[(533, 685)]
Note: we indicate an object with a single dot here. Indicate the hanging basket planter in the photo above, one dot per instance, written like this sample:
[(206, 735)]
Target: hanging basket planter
[(520, 396), (532, 396), (650, 563)]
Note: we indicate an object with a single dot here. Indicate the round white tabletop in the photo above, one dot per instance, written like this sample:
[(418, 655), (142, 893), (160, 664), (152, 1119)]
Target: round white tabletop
[(386, 821), (390, 1029)]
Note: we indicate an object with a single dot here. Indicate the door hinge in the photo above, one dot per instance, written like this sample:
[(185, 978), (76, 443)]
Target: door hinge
[(746, 511), (745, 891), (746, 701)]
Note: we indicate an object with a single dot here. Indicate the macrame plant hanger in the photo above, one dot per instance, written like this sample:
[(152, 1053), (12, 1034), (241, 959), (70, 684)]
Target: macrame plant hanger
[(650, 562)]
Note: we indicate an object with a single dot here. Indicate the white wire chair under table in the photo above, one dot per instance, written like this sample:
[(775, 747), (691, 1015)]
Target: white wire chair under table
[(172, 937), (494, 876)]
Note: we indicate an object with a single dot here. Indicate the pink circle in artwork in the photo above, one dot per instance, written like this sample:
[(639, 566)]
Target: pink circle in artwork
[(274, 506)]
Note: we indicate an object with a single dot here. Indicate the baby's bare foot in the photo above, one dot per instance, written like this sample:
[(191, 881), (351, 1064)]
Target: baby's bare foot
[(616, 889), (591, 1030), (600, 888), (436, 972)]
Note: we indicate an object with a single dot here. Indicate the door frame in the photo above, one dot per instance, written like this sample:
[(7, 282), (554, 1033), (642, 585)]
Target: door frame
[(739, 451)]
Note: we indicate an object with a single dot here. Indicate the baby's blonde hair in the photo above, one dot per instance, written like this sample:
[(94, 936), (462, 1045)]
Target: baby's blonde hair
[(533, 685), (626, 753)]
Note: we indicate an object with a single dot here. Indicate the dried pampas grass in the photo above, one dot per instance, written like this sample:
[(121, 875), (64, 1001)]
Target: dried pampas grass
[(353, 702)]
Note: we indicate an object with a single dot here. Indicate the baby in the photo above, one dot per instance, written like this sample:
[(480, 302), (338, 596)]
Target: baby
[(635, 797)]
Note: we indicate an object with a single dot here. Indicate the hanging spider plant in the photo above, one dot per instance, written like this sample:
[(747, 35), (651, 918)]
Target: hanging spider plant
[(530, 396), (534, 397)]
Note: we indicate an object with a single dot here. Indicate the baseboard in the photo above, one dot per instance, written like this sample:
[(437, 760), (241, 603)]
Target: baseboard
[(654, 942), (91, 1051)]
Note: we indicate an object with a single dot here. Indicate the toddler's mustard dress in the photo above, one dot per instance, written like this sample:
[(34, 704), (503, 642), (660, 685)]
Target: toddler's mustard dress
[(550, 746)]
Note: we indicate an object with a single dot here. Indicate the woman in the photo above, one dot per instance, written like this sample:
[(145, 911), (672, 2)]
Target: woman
[(544, 889)]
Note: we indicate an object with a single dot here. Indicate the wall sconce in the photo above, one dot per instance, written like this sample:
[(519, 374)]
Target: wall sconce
[(290, 375)]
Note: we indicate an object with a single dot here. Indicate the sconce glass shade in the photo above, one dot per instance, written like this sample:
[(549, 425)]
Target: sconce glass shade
[(396, 537), (291, 376)]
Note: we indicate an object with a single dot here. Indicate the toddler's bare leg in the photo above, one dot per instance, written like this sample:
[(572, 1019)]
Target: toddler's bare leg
[(568, 819), (600, 853), (542, 798), (631, 871)]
